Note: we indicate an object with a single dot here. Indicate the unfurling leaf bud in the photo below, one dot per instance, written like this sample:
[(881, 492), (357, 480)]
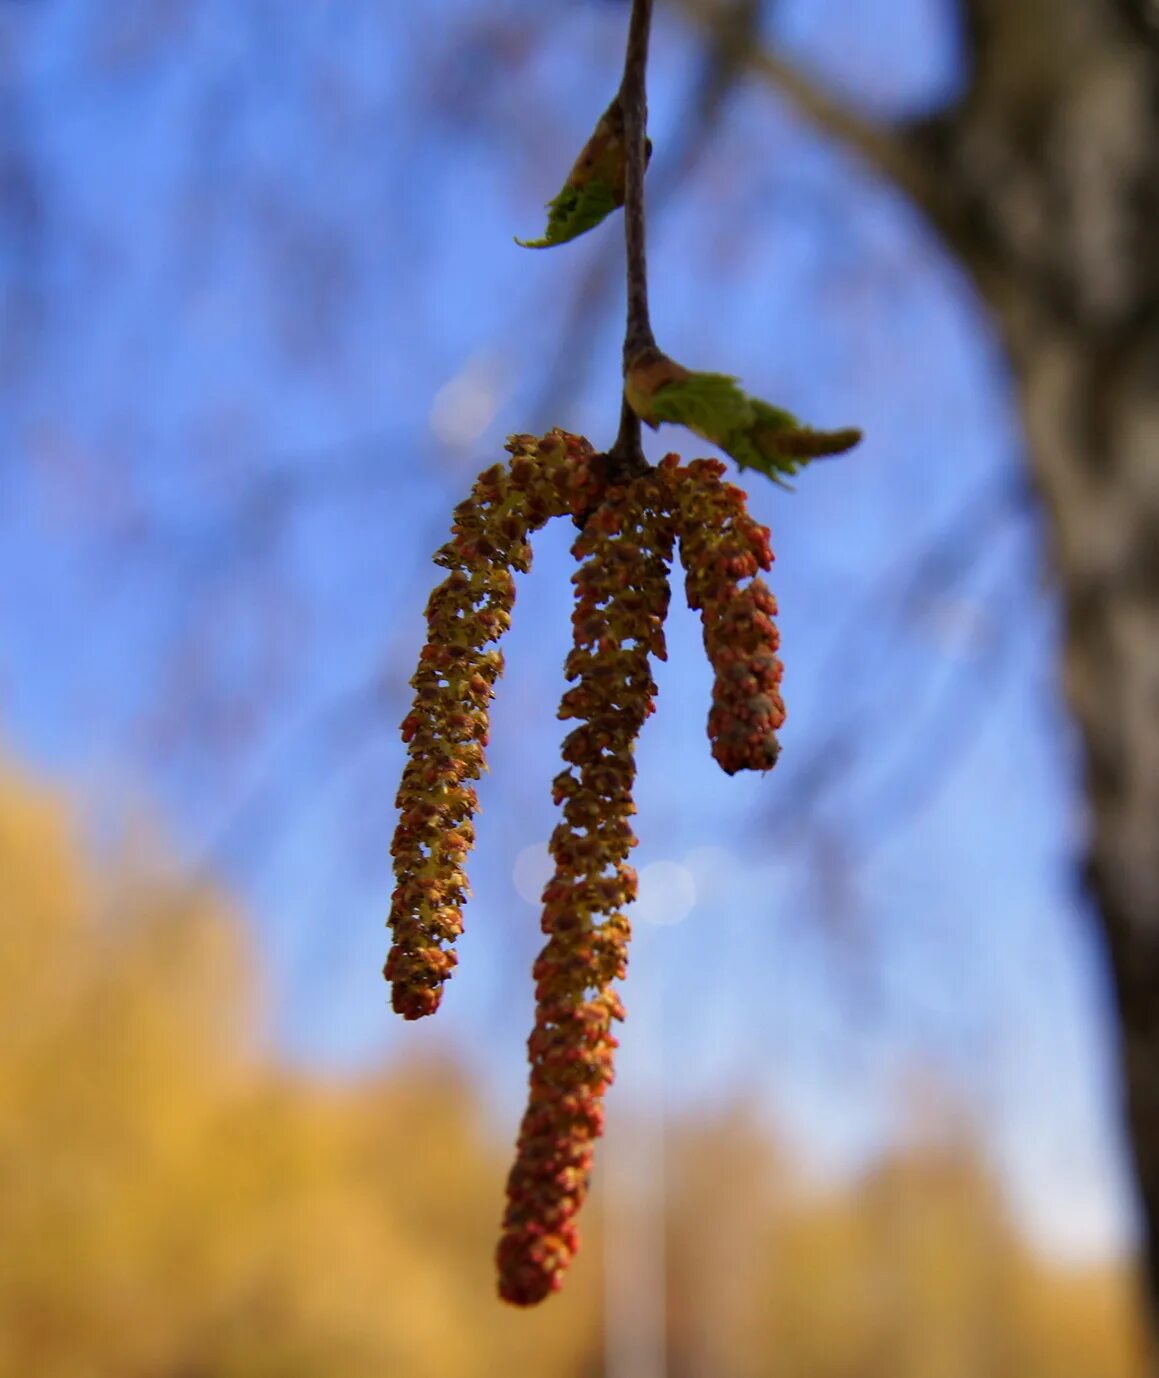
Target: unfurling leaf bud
[(594, 187), (713, 406)]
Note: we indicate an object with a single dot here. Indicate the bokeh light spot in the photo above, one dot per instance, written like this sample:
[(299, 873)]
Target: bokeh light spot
[(667, 893), (532, 870)]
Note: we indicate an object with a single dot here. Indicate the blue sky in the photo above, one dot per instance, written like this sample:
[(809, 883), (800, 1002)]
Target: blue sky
[(264, 320)]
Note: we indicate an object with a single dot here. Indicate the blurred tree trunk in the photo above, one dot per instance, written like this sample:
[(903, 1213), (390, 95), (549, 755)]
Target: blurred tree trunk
[(1049, 191), (1043, 179)]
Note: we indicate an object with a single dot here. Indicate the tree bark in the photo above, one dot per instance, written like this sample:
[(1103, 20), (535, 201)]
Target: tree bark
[(1051, 198), (1093, 427)]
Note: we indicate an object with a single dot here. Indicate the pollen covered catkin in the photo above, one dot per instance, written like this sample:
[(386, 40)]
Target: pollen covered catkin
[(621, 601), (721, 547), (447, 727), (629, 530)]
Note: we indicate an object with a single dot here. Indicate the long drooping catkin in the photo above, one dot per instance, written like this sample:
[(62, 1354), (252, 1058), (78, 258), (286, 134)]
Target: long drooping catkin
[(446, 729), (621, 601), (622, 594)]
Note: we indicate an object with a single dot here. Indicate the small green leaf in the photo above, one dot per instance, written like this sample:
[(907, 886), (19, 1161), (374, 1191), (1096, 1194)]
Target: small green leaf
[(594, 187), (713, 405), (573, 212), (772, 420)]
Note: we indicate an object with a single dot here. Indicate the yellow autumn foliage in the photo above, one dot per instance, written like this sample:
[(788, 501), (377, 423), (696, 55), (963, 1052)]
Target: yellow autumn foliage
[(173, 1203), (176, 1202)]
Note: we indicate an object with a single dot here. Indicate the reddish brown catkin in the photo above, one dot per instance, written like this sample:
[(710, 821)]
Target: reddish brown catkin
[(621, 602), (721, 545), (446, 729)]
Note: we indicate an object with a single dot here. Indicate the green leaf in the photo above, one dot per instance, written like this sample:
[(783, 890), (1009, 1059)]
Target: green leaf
[(770, 419), (754, 433), (711, 404), (594, 187), (573, 212)]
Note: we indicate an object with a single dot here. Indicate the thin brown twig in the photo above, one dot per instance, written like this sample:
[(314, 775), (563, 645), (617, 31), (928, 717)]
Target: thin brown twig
[(627, 453), (593, 291), (634, 102)]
